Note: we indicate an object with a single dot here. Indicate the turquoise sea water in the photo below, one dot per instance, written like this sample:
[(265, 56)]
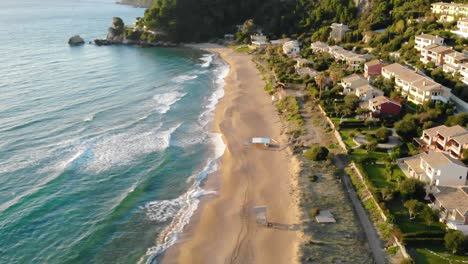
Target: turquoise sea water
[(101, 148)]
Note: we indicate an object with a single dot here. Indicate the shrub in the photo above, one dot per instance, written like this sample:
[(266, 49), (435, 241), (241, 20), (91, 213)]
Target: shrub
[(454, 241), (313, 178), (314, 211), (317, 153), (412, 188), (382, 134)]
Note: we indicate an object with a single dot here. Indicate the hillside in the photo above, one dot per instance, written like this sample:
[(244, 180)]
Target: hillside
[(140, 3)]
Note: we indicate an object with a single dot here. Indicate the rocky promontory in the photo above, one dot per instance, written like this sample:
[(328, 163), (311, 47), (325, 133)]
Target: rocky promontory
[(119, 34)]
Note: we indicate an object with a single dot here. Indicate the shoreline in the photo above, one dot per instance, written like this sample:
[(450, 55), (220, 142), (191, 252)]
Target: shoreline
[(244, 109)]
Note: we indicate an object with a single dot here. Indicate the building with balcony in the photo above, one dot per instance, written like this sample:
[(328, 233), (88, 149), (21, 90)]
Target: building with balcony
[(453, 62), (437, 169), (416, 87), (352, 82), (372, 68), (382, 106), (464, 73), (258, 40), (318, 47), (452, 203), (452, 140), (424, 40), (367, 92), (435, 53), (449, 11), (291, 48), (462, 28), (338, 31)]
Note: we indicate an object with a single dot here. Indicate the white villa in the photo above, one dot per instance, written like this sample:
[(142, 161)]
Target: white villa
[(425, 40), (462, 28), (435, 53), (352, 82), (416, 87), (318, 47), (291, 48), (258, 40), (437, 169), (452, 202), (367, 92), (452, 140), (464, 72), (453, 61), (449, 11)]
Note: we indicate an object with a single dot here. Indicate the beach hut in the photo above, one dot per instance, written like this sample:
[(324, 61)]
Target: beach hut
[(261, 215), (261, 141)]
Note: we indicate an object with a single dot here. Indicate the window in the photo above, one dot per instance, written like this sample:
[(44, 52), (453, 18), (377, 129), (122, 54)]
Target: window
[(460, 177)]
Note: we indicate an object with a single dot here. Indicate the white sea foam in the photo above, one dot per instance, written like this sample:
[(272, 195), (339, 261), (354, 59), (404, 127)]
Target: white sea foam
[(89, 118), (184, 78), (165, 100), (122, 148), (207, 59), (207, 115), (181, 209)]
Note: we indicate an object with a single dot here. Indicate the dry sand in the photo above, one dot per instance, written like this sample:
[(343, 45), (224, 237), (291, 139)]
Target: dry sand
[(224, 229)]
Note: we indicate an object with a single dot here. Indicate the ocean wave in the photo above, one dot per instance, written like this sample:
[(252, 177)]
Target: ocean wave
[(207, 115), (165, 100), (207, 59), (123, 148), (183, 207), (184, 78)]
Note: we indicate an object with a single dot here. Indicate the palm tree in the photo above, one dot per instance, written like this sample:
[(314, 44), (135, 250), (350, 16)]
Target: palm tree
[(335, 75), (321, 81)]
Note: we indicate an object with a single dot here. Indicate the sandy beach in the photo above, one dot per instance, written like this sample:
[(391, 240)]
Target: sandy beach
[(224, 230)]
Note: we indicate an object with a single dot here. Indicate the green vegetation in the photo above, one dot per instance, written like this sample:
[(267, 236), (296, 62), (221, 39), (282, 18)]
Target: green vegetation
[(316, 153)]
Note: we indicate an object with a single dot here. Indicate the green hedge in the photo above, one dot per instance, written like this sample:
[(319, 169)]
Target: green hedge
[(423, 241)]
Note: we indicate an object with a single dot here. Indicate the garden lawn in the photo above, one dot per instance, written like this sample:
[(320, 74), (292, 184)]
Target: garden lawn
[(348, 140), (424, 256), (407, 225), (360, 154), (378, 175)]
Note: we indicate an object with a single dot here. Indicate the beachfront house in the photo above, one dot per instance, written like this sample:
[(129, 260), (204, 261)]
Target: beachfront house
[(258, 40), (464, 73), (452, 140), (425, 40), (437, 169), (372, 69), (291, 48), (435, 53), (416, 87), (453, 62), (449, 11), (352, 82), (452, 203), (383, 107), (367, 92), (462, 28), (319, 47), (338, 31)]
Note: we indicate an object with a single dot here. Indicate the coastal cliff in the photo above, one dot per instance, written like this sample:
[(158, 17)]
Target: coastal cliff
[(138, 3)]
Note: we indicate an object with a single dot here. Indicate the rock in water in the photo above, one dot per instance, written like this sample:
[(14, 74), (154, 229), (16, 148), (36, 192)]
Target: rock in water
[(76, 41)]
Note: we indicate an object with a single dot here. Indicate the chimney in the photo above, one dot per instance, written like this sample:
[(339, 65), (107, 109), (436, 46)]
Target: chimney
[(424, 83)]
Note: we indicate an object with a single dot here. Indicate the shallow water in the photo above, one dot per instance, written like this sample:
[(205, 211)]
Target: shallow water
[(101, 148)]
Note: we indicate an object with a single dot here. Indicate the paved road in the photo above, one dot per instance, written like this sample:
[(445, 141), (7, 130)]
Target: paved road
[(374, 240)]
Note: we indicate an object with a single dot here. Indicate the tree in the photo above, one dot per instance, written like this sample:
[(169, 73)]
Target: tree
[(317, 153), (412, 188), (414, 207), (321, 81), (429, 215), (387, 194), (371, 146), (407, 127), (459, 119), (454, 241), (382, 134), (351, 101), (336, 73)]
